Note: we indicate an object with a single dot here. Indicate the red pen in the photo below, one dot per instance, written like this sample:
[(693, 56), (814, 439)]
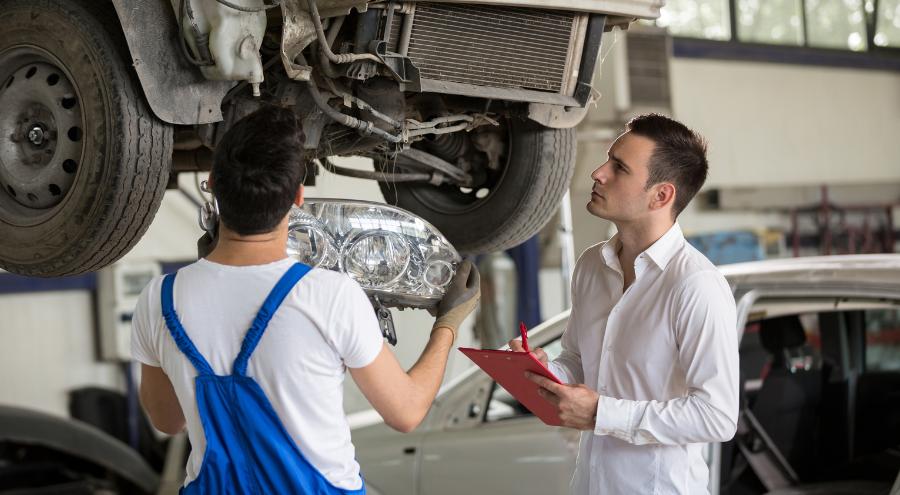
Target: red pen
[(524, 333)]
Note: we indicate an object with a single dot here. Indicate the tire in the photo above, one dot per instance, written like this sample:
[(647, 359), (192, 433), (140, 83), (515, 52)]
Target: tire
[(81, 198), (521, 199)]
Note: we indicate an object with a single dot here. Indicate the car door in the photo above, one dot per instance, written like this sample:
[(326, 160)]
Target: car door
[(506, 449)]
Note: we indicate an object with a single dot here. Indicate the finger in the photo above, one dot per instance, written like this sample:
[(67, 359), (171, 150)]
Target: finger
[(549, 396), (464, 270), (516, 345), (458, 284), (544, 382), (474, 278)]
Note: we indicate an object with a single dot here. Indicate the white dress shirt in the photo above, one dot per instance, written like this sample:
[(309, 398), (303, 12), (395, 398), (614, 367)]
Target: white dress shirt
[(663, 356)]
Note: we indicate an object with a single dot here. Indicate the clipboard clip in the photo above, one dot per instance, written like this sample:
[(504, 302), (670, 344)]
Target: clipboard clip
[(524, 332)]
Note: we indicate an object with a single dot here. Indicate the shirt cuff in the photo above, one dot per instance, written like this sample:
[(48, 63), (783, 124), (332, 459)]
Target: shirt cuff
[(615, 418)]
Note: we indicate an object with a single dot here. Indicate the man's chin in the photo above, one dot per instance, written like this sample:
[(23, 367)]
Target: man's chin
[(596, 210)]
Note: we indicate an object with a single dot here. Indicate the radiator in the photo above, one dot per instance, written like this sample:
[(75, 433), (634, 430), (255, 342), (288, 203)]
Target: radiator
[(499, 47)]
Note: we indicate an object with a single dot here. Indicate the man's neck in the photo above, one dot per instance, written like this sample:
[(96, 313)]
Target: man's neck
[(637, 237), (245, 250)]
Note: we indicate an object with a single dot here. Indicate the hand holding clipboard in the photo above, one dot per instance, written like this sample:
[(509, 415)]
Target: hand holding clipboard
[(508, 369)]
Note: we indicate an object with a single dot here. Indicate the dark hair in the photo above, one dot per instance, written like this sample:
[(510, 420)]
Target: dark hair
[(257, 168), (679, 156)]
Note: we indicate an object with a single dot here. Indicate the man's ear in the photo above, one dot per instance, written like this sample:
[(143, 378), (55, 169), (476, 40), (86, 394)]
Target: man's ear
[(298, 200), (663, 196)]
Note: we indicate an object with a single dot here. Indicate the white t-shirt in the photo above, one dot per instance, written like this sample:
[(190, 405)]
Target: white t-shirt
[(324, 325)]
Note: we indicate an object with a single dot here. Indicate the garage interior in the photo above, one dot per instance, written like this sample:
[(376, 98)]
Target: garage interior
[(798, 99)]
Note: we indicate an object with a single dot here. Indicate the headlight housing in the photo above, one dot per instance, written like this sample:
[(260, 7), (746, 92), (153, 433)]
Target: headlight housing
[(395, 256)]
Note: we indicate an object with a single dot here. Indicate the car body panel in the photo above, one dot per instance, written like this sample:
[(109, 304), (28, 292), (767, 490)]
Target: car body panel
[(175, 90), (76, 439), (448, 466)]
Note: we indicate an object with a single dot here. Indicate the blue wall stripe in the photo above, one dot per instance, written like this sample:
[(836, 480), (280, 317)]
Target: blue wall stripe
[(17, 284)]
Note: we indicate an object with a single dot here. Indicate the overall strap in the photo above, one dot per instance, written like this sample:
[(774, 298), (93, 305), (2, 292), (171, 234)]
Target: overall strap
[(271, 304), (177, 331)]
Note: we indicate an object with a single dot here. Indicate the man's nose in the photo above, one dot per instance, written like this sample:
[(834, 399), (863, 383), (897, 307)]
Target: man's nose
[(599, 174)]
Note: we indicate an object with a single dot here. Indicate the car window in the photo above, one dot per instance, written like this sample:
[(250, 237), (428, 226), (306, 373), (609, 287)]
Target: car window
[(756, 360), (503, 405), (883, 340)]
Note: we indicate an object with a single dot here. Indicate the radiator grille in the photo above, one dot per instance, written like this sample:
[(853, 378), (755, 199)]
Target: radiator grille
[(491, 46)]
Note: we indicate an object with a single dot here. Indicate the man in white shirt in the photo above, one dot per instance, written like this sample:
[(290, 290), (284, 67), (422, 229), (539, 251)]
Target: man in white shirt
[(650, 353), (324, 326)]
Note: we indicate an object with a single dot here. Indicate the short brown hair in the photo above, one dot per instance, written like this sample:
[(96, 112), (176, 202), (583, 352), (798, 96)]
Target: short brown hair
[(679, 156), (257, 168)]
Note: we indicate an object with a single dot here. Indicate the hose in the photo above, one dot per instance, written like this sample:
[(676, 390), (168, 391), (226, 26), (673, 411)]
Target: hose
[(379, 176), (344, 119), (342, 58)]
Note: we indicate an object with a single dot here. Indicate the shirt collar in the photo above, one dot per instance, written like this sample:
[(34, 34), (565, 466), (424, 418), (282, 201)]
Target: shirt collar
[(662, 250), (609, 251)]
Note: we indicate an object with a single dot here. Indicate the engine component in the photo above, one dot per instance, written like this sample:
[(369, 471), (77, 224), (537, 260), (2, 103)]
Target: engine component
[(224, 38)]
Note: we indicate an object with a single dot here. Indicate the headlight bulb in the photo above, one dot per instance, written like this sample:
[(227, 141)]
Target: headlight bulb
[(376, 259)]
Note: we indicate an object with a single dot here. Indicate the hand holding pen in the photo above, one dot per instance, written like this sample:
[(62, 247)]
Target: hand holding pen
[(521, 345)]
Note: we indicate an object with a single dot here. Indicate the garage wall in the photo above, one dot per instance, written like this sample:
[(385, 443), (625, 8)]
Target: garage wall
[(778, 124), (768, 124), (48, 349)]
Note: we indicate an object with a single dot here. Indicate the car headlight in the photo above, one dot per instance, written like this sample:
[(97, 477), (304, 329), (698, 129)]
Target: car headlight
[(394, 255)]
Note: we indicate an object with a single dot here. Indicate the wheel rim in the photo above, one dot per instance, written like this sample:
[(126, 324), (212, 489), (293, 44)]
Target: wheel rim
[(41, 135), (455, 200)]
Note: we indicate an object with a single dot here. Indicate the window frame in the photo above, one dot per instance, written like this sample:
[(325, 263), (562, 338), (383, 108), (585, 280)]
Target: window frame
[(873, 57)]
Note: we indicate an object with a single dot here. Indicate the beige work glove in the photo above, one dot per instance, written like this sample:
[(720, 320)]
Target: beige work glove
[(460, 299)]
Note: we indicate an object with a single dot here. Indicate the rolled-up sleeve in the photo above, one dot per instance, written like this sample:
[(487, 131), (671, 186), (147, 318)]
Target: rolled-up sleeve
[(705, 331)]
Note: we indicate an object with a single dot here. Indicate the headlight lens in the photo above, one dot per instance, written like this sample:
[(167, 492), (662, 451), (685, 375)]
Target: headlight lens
[(394, 255)]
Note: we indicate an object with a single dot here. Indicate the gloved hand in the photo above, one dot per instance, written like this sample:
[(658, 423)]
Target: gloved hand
[(460, 299)]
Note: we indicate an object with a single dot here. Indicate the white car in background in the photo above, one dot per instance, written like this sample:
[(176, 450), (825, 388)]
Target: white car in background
[(823, 417)]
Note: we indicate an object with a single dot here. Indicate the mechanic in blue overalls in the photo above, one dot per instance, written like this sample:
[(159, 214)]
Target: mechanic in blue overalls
[(248, 349)]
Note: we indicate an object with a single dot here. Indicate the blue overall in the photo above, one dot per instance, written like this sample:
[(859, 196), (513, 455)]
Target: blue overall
[(248, 450)]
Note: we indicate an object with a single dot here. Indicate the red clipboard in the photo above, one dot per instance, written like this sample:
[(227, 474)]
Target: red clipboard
[(508, 369)]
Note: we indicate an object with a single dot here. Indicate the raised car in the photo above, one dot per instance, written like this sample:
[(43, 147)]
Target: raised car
[(467, 108)]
